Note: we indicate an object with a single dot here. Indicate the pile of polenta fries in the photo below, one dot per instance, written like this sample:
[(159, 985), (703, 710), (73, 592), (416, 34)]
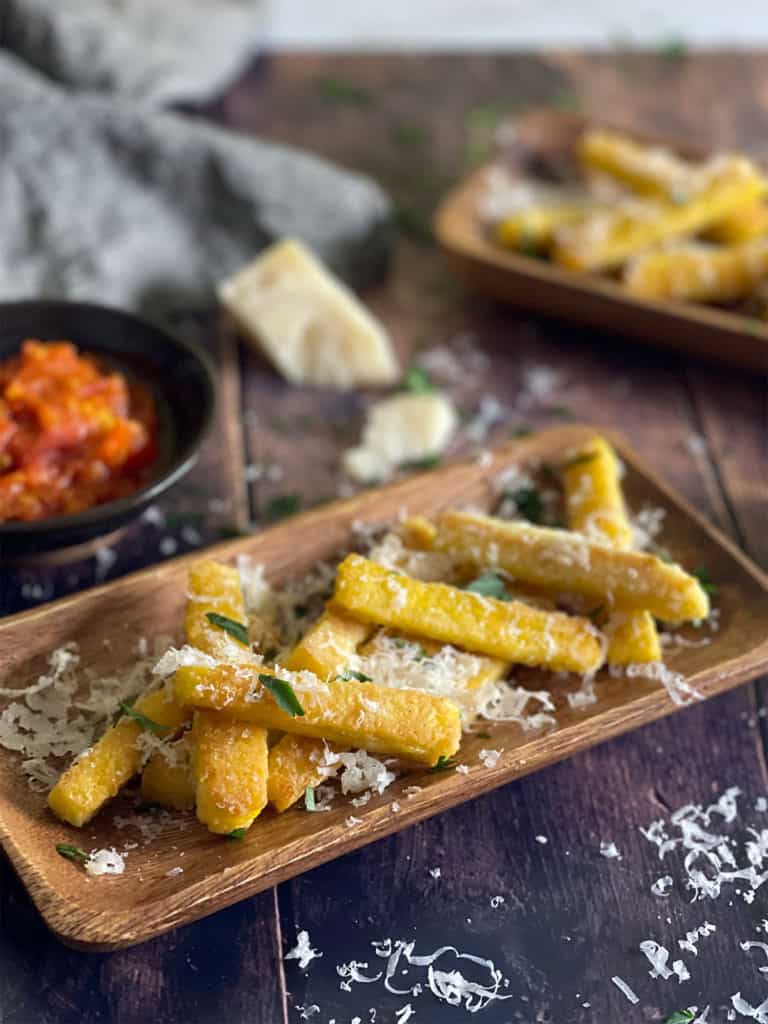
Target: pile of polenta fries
[(669, 228), (238, 726)]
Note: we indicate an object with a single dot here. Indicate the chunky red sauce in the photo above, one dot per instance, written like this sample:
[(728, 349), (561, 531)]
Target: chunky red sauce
[(71, 434)]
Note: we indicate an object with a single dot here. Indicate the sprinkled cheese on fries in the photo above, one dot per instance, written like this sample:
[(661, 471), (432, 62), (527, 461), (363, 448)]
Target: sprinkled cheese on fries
[(394, 666)]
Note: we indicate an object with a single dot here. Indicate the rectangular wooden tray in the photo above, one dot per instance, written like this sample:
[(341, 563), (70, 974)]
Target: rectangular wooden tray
[(112, 912), (582, 298)]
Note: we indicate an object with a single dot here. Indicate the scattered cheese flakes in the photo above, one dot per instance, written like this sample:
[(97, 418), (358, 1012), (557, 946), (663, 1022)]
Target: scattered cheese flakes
[(435, 872), (302, 951), (462, 769), (105, 862), (680, 692), (351, 821), (404, 1014), (657, 957), (541, 839), (746, 946), (745, 1009), (497, 901), (307, 322), (624, 988), (609, 850), (362, 772), (405, 428), (490, 758), (662, 885), (174, 872)]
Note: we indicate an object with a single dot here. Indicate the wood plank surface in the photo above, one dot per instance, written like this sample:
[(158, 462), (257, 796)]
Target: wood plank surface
[(571, 918)]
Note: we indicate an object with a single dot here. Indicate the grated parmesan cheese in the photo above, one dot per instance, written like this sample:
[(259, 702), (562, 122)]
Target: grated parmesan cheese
[(624, 988), (302, 951), (105, 862)]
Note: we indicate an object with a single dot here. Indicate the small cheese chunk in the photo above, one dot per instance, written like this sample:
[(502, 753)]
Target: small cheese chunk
[(310, 325), (401, 429)]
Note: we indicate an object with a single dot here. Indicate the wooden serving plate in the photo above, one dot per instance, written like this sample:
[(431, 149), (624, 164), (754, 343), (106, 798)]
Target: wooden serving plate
[(111, 912), (583, 298)]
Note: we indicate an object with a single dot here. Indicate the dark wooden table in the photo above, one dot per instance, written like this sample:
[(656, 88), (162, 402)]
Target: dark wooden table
[(571, 919)]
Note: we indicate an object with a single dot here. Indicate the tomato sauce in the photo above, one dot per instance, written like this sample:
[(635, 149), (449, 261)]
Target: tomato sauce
[(72, 435)]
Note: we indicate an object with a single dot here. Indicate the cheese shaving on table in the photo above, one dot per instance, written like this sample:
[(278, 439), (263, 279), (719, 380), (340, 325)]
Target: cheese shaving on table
[(609, 850), (624, 988), (302, 951), (405, 428)]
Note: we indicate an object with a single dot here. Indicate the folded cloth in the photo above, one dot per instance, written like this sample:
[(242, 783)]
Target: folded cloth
[(101, 199), (151, 51)]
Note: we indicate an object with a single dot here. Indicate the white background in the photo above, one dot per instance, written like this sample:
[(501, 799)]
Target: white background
[(508, 24)]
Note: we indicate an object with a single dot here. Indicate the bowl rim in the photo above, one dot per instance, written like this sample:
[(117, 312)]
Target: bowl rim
[(143, 496)]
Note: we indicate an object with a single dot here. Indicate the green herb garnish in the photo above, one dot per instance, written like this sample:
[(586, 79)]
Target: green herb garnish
[(489, 585), (409, 134), (237, 833), (564, 412), (283, 506), (235, 629), (413, 222), (418, 381), (270, 654), (483, 735), (528, 503), (419, 653), (309, 798), (428, 462), (482, 123), (680, 1017), (340, 91), (144, 722), (444, 764), (522, 431), (702, 575), (73, 853), (673, 50), (578, 460), (283, 693), (349, 675)]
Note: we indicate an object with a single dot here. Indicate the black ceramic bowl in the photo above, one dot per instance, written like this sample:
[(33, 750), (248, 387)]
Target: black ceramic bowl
[(179, 377)]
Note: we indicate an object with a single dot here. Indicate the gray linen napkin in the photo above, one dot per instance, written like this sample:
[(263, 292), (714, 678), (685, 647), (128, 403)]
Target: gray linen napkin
[(105, 200), (151, 51)]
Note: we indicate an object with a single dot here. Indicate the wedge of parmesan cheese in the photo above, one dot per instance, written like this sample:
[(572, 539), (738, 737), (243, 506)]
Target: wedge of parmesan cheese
[(308, 324), (401, 429)]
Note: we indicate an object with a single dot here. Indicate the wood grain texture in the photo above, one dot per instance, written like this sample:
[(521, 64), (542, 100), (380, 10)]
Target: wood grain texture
[(146, 902), (426, 120)]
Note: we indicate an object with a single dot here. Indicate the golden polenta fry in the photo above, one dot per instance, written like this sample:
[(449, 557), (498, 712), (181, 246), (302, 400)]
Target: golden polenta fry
[(295, 764), (742, 226), (229, 760), (564, 562), (509, 630), (401, 723), (101, 772), (700, 273), (595, 506), (533, 229), (648, 170), (169, 782), (594, 502), (325, 649), (327, 646), (605, 240)]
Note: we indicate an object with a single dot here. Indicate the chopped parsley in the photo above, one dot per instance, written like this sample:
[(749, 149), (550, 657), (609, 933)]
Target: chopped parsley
[(489, 584), (237, 833), (144, 722), (349, 675), (579, 460), (481, 126), (283, 693), (338, 90), (409, 134), (283, 506), (419, 653), (527, 502), (674, 50), (444, 764), (418, 381), (235, 629), (483, 735), (428, 462), (702, 575), (73, 853), (681, 1017), (309, 798), (563, 412), (522, 431)]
